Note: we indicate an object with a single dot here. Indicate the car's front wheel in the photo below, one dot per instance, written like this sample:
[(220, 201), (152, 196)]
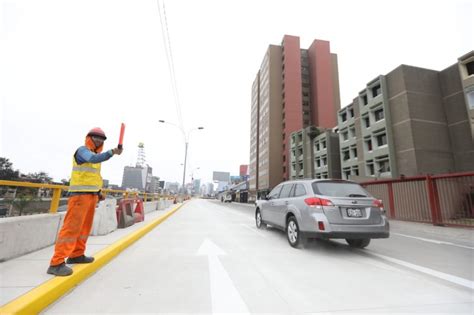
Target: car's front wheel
[(358, 243), (293, 232), (258, 220)]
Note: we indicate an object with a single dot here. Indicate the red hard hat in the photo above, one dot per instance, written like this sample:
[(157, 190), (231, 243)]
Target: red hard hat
[(97, 132)]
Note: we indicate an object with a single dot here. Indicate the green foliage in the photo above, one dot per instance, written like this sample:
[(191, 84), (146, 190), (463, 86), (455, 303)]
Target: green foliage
[(39, 177), (6, 170)]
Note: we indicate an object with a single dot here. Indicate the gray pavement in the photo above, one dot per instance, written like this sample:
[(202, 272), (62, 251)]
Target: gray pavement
[(20, 275), (209, 258)]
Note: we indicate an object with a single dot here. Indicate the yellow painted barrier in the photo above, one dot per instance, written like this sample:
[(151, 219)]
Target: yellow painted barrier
[(57, 191), (36, 300)]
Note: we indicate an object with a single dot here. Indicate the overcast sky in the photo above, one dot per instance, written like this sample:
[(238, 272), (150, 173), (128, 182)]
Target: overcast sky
[(68, 66)]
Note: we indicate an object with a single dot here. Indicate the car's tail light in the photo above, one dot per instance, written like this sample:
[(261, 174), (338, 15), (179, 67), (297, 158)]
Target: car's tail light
[(378, 204), (313, 201), (321, 225)]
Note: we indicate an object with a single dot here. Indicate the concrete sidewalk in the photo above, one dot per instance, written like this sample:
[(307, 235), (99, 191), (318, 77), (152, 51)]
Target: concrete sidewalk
[(24, 273), (457, 235)]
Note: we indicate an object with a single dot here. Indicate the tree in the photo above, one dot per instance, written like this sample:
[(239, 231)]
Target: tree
[(40, 177), (6, 170)]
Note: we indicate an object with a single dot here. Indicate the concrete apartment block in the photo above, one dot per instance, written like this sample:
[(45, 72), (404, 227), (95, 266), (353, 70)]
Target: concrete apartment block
[(327, 163), (409, 122)]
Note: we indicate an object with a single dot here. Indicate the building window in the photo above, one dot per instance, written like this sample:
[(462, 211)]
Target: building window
[(355, 171), (370, 167), (383, 166), (354, 153), (351, 112), (366, 121), (318, 163), (378, 114), (368, 144), (352, 132), (364, 99), (376, 90), (345, 155), (470, 68), (381, 139), (343, 116), (347, 173), (317, 146), (325, 161), (470, 99), (345, 135), (324, 144)]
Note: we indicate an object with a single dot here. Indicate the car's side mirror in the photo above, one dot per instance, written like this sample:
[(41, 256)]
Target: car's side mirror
[(268, 197)]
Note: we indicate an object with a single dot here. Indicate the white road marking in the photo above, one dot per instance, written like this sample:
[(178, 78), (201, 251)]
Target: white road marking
[(453, 279), (433, 241), (225, 297), (253, 230)]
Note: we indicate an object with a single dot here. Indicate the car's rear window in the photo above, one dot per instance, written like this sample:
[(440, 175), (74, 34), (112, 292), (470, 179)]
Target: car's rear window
[(339, 189)]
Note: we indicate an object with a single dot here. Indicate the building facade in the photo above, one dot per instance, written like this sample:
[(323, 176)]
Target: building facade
[(410, 122), (138, 177), (294, 89)]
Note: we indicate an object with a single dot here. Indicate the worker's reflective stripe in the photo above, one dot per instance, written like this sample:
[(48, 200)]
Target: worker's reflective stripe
[(85, 169), (83, 237), (84, 188), (67, 240)]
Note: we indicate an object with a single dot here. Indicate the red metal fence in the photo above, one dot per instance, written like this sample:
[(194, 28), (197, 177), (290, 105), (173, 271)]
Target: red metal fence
[(438, 199)]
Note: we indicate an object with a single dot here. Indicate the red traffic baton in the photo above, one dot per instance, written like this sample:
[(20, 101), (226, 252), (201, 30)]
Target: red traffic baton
[(122, 132)]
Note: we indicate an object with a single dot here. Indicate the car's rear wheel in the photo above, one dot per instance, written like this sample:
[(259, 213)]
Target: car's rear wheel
[(358, 243), (293, 232), (258, 220)]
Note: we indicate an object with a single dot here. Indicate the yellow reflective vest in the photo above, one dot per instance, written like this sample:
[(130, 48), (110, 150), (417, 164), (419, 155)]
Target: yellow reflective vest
[(85, 177)]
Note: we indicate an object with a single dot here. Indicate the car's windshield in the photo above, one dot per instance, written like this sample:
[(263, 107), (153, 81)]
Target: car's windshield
[(339, 189)]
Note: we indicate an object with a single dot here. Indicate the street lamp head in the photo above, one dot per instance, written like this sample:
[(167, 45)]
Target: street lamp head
[(200, 128), (161, 121)]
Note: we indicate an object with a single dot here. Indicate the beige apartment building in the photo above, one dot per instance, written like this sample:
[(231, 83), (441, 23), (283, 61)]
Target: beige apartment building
[(412, 121)]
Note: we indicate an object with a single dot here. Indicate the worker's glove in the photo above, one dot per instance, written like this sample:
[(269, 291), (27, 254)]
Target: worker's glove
[(117, 151)]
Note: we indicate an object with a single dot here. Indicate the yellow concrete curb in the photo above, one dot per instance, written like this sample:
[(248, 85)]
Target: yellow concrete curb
[(39, 298)]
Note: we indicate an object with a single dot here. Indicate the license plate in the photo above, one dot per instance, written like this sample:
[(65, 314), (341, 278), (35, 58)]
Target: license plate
[(354, 213)]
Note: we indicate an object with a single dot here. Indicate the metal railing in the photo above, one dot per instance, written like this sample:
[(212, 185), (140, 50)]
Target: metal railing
[(446, 199), (57, 189)]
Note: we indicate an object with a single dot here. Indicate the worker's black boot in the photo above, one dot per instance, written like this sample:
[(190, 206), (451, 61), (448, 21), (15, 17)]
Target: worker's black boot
[(80, 260), (60, 270)]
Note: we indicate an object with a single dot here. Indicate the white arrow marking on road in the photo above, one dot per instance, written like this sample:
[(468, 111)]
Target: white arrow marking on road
[(225, 297)]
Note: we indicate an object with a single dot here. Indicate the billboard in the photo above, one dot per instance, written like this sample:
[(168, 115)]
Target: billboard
[(221, 176)]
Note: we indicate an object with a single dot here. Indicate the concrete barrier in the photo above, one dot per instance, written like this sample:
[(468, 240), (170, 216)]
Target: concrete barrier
[(22, 235), (150, 206), (161, 204), (105, 217), (26, 234)]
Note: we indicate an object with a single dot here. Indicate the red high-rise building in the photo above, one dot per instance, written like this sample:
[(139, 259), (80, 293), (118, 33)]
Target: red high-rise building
[(294, 88)]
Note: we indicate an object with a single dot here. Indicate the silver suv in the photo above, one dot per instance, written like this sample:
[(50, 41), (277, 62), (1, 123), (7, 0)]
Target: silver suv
[(323, 208)]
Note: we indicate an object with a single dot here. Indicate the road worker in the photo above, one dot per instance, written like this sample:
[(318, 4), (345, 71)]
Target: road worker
[(84, 193)]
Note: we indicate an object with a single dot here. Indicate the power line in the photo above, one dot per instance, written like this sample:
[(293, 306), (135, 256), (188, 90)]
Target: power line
[(169, 58)]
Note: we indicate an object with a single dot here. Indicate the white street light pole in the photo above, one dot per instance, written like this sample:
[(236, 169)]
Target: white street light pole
[(186, 142)]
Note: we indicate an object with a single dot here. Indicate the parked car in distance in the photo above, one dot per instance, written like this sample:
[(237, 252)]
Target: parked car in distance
[(323, 208), (228, 198)]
